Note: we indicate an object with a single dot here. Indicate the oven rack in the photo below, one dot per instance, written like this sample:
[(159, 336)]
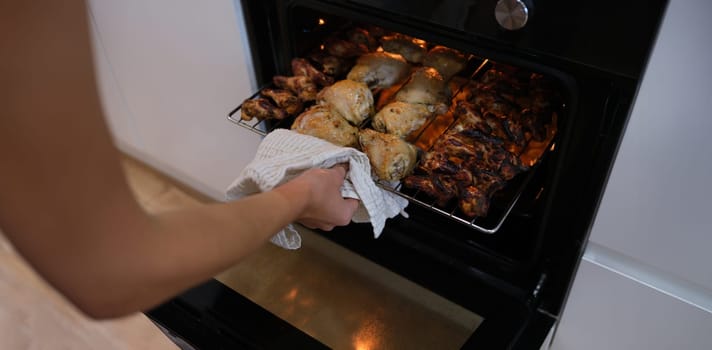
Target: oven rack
[(499, 211), (500, 207)]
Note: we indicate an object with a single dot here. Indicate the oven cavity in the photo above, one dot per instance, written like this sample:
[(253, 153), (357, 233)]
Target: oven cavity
[(456, 133)]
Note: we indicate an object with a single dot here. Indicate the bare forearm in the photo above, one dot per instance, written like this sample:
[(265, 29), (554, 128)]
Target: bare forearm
[(156, 257)]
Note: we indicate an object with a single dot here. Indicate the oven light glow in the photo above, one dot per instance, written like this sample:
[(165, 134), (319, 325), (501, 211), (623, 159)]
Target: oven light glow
[(321, 21), (369, 336)]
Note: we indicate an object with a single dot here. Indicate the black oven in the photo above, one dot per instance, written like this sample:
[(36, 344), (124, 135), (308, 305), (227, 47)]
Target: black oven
[(514, 270)]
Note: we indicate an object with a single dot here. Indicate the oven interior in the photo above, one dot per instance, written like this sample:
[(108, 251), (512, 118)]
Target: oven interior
[(534, 236)]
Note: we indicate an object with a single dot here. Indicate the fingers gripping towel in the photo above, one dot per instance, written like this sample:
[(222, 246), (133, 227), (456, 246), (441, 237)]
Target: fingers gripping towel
[(284, 154)]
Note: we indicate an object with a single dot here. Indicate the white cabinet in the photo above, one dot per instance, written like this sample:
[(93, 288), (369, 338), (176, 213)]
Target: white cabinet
[(607, 310), (646, 278), (659, 196), (169, 73)]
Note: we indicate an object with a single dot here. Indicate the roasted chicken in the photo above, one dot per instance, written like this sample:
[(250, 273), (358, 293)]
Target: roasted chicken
[(410, 48), (300, 85), (361, 36), (301, 66), (318, 121), (260, 108), (448, 62), (332, 65), (379, 70), (425, 86), (401, 118), (284, 100), (391, 157), (348, 99), (344, 48)]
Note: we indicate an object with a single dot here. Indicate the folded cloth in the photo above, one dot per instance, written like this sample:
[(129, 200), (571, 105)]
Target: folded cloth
[(284, 154)]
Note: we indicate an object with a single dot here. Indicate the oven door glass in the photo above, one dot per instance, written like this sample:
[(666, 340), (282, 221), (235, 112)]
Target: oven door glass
[(325, 296)]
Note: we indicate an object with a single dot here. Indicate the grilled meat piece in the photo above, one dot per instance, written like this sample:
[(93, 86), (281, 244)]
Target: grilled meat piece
[(527, 100), (441, 188), (447, 61), (486, 152), (508, 129), (318, 121), (348, 99), (379, 70), (391, 157), (332, 65), (468, 164), (496, 117), (410, 48), (362, 37), (425, 86), (284, 100), (474, 202), (344, 48), (260, 108), (301, 66), (490, 101), (301, 86), (401, 118)]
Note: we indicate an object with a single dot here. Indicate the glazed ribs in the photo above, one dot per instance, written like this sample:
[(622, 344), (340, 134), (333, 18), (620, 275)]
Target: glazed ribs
[(499, 115)]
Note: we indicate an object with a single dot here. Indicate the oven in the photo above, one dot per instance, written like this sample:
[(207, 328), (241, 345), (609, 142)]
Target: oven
[(514, 265)]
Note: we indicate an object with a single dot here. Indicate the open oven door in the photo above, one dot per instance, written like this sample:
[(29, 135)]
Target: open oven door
[(301, 312)]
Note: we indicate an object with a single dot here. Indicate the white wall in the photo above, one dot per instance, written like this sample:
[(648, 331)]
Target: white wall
[(646, 280), (169, 72)]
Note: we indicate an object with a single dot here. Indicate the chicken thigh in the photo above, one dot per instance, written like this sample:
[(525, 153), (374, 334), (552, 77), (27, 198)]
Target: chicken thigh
[(401, 118), (348, 99), (379, 69), (411, 49), (425, 86), (318, 121), (447, 61), (391, 157)]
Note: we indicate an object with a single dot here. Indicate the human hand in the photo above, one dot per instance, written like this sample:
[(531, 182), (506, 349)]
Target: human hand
[(324, 207)]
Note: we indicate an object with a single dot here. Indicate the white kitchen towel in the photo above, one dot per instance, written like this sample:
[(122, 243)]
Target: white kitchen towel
[(284, 154)]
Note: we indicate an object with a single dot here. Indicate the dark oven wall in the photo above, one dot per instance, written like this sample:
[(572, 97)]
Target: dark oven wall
[(596, 56)]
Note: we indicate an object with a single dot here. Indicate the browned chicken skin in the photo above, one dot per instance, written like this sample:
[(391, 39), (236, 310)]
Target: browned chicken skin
[(301, 86), (391, 157), (379, 70), (301, 66), (410, 48), (506, 129), (260, 108), (284, 100), (318, 121), (425, 86), (348, 99), (361, 36), (401, 118), (344, 48), (448, 62)]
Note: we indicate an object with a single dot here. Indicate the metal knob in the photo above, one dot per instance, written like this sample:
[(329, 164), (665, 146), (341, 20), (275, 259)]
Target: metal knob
[(511, 14)]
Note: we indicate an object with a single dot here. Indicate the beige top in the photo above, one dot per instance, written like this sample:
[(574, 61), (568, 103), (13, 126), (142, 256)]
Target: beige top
[(35, 316)]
